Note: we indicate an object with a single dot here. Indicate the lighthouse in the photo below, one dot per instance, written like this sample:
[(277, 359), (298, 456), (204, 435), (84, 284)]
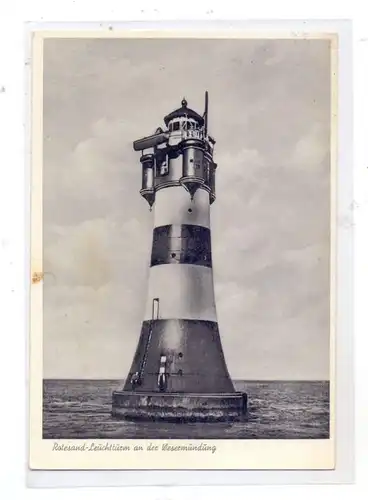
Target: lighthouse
[(179, 372)]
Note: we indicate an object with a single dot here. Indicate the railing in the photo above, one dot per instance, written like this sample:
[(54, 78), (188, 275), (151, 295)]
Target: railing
[(193, 134)]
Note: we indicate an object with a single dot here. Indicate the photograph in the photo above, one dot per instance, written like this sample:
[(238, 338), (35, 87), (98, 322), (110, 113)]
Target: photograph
[(186, 238)]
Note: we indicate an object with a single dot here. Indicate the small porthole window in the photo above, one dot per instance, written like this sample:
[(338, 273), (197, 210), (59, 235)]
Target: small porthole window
[(180, 354), (173, 255), (190, 210), (191, 160)]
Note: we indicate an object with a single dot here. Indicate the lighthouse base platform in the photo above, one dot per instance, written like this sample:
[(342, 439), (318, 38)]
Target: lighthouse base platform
[(179, 407)]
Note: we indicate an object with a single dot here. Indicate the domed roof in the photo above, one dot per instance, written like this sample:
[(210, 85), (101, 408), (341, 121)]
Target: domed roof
[(184, 111)]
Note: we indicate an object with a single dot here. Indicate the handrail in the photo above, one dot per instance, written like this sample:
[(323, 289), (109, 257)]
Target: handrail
[(144, 360)]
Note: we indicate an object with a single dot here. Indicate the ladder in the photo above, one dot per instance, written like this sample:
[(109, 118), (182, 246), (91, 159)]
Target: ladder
[(144, 360)]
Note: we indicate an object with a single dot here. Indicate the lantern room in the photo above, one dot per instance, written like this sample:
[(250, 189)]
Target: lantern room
[(180, 155)]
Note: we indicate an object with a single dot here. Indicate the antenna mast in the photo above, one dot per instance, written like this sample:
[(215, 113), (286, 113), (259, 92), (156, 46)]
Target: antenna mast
[(205, 113)]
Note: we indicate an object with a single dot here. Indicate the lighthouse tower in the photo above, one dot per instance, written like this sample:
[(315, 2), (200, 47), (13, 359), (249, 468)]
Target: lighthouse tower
[(179, 370)]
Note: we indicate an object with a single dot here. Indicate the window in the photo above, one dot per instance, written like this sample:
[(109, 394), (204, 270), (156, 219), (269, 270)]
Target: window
[(176, 126), (164, 168)]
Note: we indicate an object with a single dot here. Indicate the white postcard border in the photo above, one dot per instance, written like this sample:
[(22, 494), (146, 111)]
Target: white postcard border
[(231, 454)]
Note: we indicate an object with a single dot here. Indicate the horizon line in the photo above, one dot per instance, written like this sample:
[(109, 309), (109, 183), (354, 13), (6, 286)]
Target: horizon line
[(234, 379)]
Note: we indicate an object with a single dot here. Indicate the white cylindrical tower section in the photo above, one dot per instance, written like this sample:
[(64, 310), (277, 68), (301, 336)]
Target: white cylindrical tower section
[(185, 291), (174, 206)]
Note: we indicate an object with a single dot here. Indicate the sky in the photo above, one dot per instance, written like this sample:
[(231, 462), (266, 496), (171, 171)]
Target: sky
[(270, 116)]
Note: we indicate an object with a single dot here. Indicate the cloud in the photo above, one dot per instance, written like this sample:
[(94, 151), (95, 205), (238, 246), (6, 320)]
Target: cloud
[(97, 252), (313, 148), (87, 327)]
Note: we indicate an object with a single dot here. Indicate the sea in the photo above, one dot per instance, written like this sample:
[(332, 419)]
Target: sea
[(81, 409)]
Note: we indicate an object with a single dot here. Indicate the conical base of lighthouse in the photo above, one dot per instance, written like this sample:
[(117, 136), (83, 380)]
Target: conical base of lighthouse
[(190, 382)]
